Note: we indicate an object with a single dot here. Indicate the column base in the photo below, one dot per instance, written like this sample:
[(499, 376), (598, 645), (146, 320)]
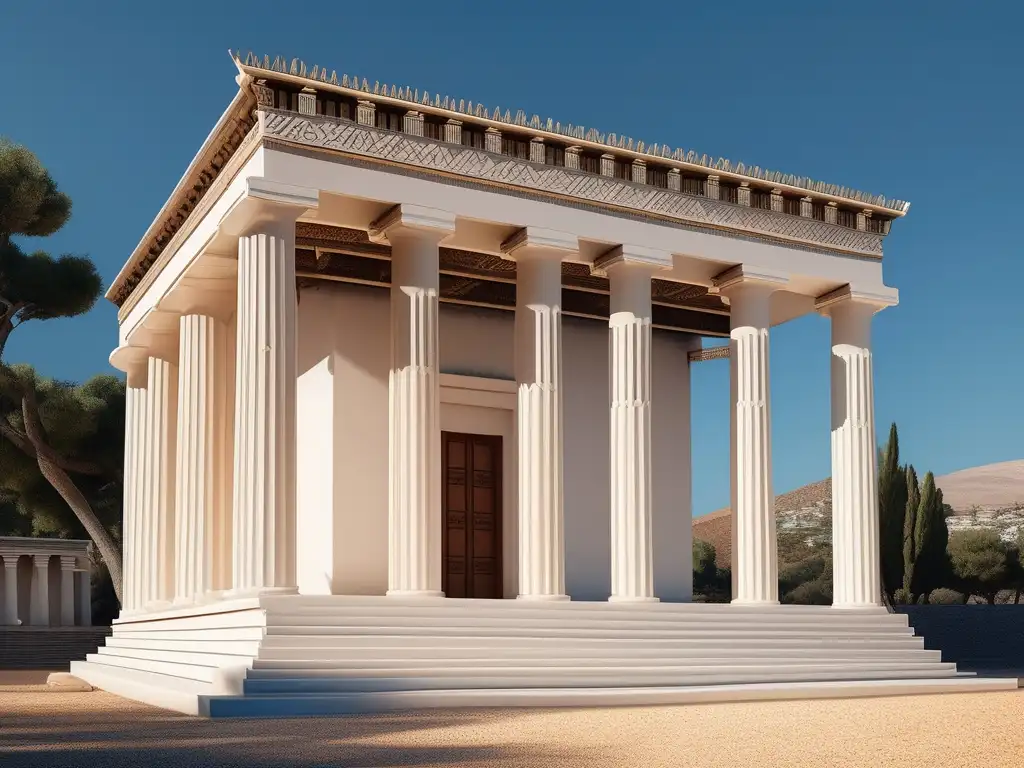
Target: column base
[(544, 598), (754, 602), (841, 606), (631, 599), (414, 593), (157, 605)]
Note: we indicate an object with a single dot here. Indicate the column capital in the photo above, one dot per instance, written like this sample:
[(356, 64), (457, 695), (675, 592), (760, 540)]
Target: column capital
[(68, 562), (41, 561), (413, 220), (199, 296), (537, 242), (876, 299), (10, 560), (743, 275), (133, 360), (633, 257), (265, 203)]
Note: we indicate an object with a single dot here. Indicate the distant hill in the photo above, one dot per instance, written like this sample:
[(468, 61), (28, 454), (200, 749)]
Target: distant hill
[(990, 496)]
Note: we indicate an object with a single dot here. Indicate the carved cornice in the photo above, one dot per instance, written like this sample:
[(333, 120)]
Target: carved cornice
[(404, 149), (297, 72), (235, 131)]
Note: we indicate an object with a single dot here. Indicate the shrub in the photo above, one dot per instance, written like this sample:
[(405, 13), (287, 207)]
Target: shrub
[(944, 596)]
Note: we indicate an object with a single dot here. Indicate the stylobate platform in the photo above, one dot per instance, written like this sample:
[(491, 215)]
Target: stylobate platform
[(293, 655)]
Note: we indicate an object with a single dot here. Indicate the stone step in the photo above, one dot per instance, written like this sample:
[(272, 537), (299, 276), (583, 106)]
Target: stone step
[(372, 681), (595, 629), (426, 667), (334, 637), (339, 704), (513, 610), (461, 658), (206, 673)]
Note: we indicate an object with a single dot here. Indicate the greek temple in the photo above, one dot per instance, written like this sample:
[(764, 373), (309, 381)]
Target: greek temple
[(408, 416)]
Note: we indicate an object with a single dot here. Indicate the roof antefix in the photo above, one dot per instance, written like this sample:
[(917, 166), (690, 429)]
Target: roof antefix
[(295, 68)]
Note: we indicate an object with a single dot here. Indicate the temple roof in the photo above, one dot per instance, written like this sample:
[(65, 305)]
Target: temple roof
[(297, 70)]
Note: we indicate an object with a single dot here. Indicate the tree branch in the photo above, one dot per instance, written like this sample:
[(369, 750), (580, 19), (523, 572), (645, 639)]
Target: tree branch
[(24, 443)]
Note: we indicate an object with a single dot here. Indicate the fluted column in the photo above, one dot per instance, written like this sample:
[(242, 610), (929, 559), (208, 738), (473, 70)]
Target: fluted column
[(10, 563), (855, 545), (67, 590), (264, 430), (630, 460), (414, 499), (755, 556), (538, 367), (157, 485), (39, 606), (202, 440), (134, 469)]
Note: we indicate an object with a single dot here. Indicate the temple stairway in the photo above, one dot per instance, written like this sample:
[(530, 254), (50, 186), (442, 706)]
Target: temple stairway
[(291, 655)]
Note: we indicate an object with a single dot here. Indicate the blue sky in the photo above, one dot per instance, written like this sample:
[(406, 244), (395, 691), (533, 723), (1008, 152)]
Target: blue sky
[(915, 100)]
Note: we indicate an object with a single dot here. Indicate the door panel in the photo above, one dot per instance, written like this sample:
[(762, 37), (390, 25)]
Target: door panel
[(471, 505)]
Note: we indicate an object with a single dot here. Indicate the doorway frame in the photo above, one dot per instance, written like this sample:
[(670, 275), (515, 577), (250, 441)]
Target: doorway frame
[(487, 406)]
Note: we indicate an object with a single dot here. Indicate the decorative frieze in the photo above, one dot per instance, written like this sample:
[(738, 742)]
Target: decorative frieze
[(453, 131), (365, 141), (572, 158), (366, 112), (712, 190), (307, 101), (257, 67), (806, 207), (862, 220), (675, 180), (639, 172), (607, 165), (492, 140), (412, 123), (537, 150), (831, 213), (709, 353), (777, 201)]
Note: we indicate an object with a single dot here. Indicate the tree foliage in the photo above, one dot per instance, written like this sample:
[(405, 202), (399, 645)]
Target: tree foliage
[(979, 562), (61, 444)]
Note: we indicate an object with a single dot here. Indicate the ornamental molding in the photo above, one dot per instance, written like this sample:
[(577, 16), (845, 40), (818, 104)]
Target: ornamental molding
[(296, 71), (710, 353), (352, 138)]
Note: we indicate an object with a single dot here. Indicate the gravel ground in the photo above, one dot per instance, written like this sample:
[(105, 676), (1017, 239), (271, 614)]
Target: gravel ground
[(99, 730)]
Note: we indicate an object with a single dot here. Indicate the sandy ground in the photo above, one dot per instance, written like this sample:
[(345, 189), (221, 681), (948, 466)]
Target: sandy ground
[(100, 730)]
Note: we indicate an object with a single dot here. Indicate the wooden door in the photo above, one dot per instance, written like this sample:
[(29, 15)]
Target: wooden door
[(471, 511)]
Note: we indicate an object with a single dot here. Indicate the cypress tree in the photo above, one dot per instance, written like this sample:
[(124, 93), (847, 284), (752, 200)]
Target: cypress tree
[(892, 505), (911, 528)]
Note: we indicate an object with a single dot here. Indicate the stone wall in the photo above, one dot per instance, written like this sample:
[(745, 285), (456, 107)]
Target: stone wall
[(47, 648), (972, 635)]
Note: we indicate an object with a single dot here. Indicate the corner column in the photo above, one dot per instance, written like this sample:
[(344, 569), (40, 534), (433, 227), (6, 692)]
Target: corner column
[(855, 545), (10, 563), (414, 499), (755, 557), (134, 362), (39, 607), (538, 254), (264, 432), (67, 590), (629, 272)]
